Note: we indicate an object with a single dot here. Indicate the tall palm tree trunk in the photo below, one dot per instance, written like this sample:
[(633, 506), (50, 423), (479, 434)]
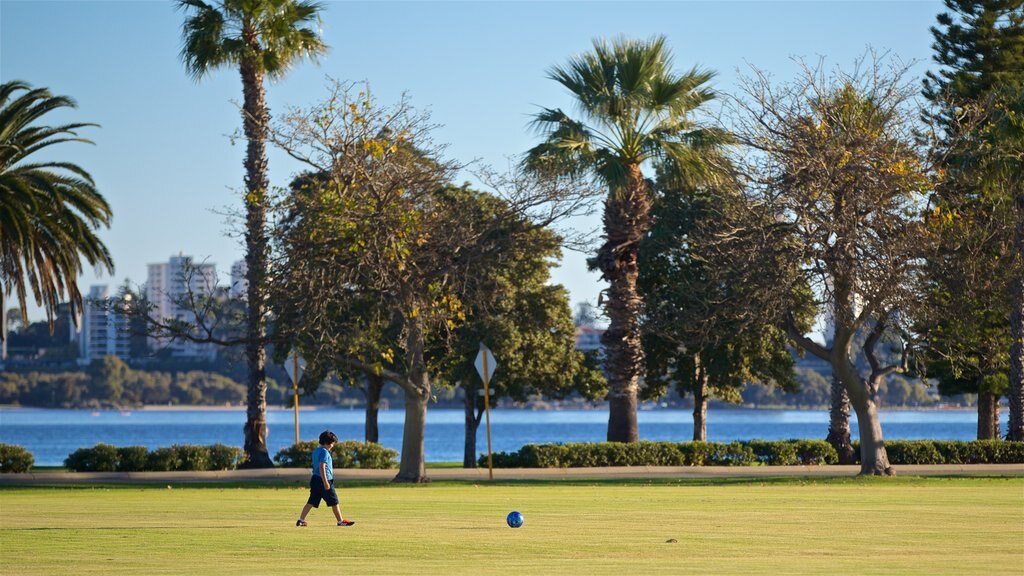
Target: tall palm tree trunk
[(1015, 432), (255, 118), (626, 221), (839, 423)]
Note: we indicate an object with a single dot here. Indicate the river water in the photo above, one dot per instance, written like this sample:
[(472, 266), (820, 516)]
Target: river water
[(53, 434)]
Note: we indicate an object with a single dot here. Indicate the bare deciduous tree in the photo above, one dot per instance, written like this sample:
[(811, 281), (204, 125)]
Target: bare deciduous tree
[(834, 160)]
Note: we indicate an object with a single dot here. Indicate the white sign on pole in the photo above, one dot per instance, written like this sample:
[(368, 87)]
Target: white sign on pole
[(485, 358), (289, 367)]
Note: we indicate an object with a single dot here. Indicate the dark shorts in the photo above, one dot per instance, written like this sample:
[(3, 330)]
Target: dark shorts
[(318, 493)]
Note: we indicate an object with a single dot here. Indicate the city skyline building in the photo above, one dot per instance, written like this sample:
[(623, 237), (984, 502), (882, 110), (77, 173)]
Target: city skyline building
[(239, 285), (103, 331), (169, 285)]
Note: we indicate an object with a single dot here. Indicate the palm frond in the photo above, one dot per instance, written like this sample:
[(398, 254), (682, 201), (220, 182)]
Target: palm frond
[(49, 211)]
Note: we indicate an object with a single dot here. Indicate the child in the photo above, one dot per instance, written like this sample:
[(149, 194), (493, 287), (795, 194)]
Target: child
[(321, 485)]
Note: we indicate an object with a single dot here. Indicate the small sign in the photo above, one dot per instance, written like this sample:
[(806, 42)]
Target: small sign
[(289, 367), (485, 363)]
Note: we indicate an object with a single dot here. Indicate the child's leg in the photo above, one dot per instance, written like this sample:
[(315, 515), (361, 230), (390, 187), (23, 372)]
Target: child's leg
[(337, 511), (305, 510)]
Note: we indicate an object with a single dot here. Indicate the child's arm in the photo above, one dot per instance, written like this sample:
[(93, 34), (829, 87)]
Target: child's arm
[(323, 475)]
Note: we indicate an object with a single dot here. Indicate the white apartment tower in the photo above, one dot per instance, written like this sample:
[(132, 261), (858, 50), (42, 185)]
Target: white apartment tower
[(104, 332), (239, 285), (168, 285)]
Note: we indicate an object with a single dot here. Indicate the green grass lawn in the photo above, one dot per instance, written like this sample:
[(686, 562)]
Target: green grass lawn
[(840, 526)]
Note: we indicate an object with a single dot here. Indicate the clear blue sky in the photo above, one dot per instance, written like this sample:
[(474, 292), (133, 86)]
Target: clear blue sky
[(165, 163)]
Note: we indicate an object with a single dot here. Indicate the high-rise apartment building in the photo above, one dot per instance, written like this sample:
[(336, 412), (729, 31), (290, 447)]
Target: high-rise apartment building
[(168, 288), (104, 332), (239, 285)]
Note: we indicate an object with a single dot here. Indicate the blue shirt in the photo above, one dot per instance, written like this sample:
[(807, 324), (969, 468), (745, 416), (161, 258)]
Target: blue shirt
[(322, 454)]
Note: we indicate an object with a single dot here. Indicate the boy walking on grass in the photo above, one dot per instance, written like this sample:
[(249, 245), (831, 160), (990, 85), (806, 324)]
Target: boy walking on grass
[(321, 485)]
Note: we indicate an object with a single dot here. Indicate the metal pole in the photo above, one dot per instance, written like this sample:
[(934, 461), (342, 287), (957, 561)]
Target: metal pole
[(487, 410), (295, 383)]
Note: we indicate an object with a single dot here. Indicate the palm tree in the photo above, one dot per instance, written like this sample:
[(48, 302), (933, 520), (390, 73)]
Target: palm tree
[(49, 210), (634, 110), (263, 38)]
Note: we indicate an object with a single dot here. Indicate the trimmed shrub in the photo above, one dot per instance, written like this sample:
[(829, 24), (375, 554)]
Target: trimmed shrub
[(99, 458), (224, 457), (163, 460), (347, 454), (913, 452), (106, 458), (191, 457), (773, 453), (996, 452), (815, 452), (365, 455), (502, 460), (131, 458), (297, 455), (696, 453), (15, 459), (952, 451), (731, 454)]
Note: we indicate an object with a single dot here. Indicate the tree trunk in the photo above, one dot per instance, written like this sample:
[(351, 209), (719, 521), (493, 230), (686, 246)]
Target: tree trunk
[(412, 467), (626, 220), (839, 423), (374, 385), (1015, 431), (255, 119), (700, 402), (472, 426), (874, 461), (988, 403)]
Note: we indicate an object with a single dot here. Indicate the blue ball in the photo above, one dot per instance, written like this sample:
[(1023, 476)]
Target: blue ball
[(514, 519)]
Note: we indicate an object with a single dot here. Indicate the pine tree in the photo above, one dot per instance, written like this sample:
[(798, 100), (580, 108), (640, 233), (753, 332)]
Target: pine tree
[(979, 46)]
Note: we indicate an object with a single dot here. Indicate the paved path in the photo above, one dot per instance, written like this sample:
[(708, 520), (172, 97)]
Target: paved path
[(480, 474)]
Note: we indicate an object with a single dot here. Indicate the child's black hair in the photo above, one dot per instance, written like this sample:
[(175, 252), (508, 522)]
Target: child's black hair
[(328, 437)]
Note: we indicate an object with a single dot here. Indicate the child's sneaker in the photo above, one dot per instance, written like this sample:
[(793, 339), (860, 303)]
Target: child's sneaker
[(300, 522), (346, 522)]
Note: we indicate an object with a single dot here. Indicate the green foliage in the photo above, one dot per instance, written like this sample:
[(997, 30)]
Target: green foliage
[(731, 454), (179, 457), (979, 48), (705, 329), (132, 458), (191, 457), (100, 458), (346, 454), (749, 453), (15, 459), (912, 452), (815, 452), (774, 453), (51, 210), (109, 382), (224, 457), (163, 460)]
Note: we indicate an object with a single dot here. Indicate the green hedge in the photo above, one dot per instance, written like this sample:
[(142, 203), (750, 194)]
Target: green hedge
[(749, 453), (347, 454), (107, 458), (15, 459)]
